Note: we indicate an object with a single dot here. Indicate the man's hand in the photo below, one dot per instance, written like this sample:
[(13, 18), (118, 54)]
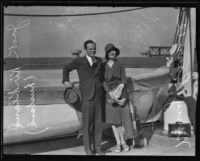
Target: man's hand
[(68, 84)]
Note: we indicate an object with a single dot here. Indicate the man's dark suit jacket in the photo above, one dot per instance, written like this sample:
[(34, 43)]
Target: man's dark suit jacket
[(90, 79)]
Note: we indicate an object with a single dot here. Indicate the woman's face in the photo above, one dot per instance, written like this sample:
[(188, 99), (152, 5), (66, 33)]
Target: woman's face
[(112, 54)]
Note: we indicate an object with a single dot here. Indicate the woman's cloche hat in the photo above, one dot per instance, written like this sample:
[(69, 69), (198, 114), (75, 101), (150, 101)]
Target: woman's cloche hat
[(109, 47)]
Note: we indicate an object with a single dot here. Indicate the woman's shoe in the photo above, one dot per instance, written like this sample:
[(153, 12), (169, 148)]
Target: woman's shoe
[(118, 149), (125, 147)]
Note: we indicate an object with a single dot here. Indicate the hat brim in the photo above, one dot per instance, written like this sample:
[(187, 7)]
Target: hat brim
[(114, 49), (77, 104)]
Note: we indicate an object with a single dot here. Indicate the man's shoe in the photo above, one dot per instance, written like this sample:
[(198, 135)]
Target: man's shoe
[(91, 153), (100, 153)]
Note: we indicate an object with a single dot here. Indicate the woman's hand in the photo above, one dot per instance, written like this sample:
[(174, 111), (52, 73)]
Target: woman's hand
[(111, 94), (121, 85)]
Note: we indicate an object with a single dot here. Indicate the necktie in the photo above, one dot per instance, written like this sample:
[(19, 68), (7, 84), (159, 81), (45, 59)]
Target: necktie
[(93, 60), (94, 63)]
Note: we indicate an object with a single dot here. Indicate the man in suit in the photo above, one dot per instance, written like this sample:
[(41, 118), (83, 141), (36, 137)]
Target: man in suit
[(90, 72)]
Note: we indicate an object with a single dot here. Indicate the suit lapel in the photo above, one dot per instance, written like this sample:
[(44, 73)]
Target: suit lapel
[(97, 67)]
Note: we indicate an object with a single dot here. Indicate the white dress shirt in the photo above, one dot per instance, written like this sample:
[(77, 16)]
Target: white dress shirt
[(89, 60)]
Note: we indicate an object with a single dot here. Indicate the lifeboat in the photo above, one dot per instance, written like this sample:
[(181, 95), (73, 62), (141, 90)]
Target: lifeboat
[(34, 107)]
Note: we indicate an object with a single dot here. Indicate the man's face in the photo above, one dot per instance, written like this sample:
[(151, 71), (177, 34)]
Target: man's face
[(91, 49)]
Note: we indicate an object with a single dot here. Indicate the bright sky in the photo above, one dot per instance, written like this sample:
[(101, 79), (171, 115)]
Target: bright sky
[(133, 32)]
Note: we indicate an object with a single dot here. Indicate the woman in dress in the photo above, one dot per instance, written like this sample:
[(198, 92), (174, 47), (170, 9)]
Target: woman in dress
[(117, 105)]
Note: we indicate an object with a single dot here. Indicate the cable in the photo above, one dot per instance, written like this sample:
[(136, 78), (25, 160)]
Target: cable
[(65, 15)]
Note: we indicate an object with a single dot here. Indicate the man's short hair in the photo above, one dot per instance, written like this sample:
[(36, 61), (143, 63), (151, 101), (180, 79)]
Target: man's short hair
[(88, 42)]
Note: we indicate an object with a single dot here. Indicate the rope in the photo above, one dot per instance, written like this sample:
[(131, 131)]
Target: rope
[(182, 24), (66, 15)]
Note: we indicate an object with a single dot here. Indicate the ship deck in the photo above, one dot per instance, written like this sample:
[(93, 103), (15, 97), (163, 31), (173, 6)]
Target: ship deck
[(159, 145)]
